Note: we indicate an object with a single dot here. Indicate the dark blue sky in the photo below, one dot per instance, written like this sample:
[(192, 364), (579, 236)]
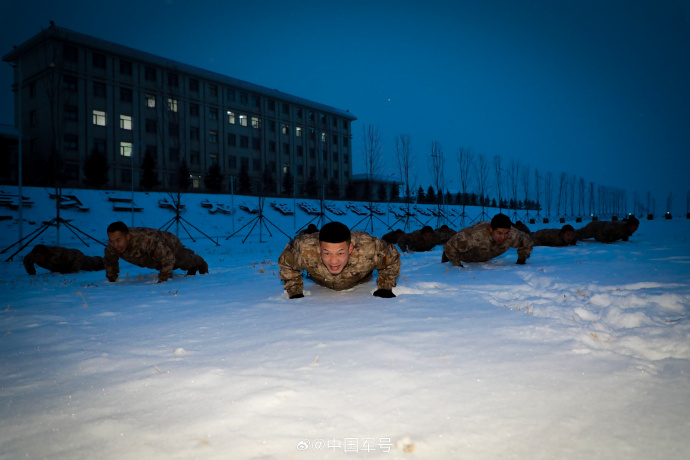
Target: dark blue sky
[(594, 88)]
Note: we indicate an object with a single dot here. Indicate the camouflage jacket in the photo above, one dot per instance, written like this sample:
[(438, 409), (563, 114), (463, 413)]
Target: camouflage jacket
[(604, 232), (149, 248), (58, 259), (369, 254), (548, 237), (475, 244), (414, 242)]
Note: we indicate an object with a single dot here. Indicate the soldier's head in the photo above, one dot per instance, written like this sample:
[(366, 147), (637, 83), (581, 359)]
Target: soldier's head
[(118, 236), (500, 228), (40, 252), (632, 224), (335, 246), (427, 233), (567, 233)]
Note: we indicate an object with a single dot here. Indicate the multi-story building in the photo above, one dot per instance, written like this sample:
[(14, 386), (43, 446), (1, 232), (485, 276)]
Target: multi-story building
[(76, 95)]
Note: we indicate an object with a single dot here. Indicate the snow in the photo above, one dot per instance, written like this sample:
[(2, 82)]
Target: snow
[(581, 353)]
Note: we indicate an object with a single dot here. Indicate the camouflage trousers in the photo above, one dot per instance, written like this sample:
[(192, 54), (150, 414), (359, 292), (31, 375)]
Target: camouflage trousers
[(475, 255), (92, 263), (187, 260)]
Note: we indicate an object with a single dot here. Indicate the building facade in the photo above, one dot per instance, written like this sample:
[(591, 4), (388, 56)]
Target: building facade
[(78, 96)]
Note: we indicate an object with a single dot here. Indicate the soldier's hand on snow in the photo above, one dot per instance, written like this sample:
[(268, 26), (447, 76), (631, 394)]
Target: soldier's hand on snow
[(112, 279), (384, 293), (625, 238), (521, 261), (297, 296)]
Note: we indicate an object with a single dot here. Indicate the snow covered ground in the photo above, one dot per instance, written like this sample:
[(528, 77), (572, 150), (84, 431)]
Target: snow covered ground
[(582, 353)]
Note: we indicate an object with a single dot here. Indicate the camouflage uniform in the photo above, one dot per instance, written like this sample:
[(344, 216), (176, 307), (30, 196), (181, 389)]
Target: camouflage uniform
[(604, 232), (443, 234), (155, 249), (369, 254), (63, 260), (414, 242), (392, 237), (475, 244), (549, 237), (522, 227)]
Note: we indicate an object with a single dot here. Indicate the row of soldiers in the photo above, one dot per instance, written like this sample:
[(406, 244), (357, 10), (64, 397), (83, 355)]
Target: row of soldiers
[(334, 256)]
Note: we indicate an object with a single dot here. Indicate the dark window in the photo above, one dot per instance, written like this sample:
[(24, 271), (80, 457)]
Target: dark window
[(213, 113), (152, 150), (345, 158), (194, 133), (194, 85), (312, 152), (272, 126), (213, 136), (69, 83), (173, 80), (335, 122), (99, 145), (272, 146), (151, 126), (126, 94), (300, 150), (125, 67), (98, 60), (33, 118), (286, 109), (71, 141), (256, 143), (150, 74), (232, 161), (345, 141), (72, 172), (335, 156), (232, 140), (298, 112), (286, 148), (71, 112), (213, 89), (173, 154), (244, 98), (32, 88), (344, 124), (194, 157), (231, 95), (257, 101), (69, 53), (256, 164), (271, 105), (244, 142), (245, 162), (98, 89), (194, 109), (335, 139), (323, 118), (173, 129)]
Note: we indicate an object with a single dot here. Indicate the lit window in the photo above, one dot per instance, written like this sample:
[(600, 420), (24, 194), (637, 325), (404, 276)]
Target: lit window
[(150, 100), (126, 149), (323, 137), (285, 129), (99, 118), (256, 123), (298, 131), (243, 120), (196, 181), (126, 122), (172, 104), (231, 117)]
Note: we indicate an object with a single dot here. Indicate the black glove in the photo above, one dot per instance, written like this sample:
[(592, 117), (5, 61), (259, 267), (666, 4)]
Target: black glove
[(521, 261), (384, 293), (297, 296), (625, 238)]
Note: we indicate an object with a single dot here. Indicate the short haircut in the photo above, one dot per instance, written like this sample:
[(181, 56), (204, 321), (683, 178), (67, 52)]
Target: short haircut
[(501, 221), (427, 229), (335, 232), (567, 228), (40, 249), (118, 226)]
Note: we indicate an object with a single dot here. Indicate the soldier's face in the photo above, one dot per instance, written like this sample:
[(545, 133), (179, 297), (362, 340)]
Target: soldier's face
[(119, 241), (499, 234), (427, 237), (568, 236), (335, 255)]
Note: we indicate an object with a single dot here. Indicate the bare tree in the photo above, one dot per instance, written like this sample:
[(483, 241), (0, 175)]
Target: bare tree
[(466, 163), (548, 192), (525, 188), (403, 155), (513, 174), (498, 175), (437, 163), (371, 155), (561, 192), (483, 182), (537, 179), (581, 196)]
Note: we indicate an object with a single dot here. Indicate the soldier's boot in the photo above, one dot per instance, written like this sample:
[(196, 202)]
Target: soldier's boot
[(191, 271), (203, 268), (444, 258)]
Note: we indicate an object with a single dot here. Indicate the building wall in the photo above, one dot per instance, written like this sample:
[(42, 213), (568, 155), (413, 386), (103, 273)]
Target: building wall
[(80, 93)]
